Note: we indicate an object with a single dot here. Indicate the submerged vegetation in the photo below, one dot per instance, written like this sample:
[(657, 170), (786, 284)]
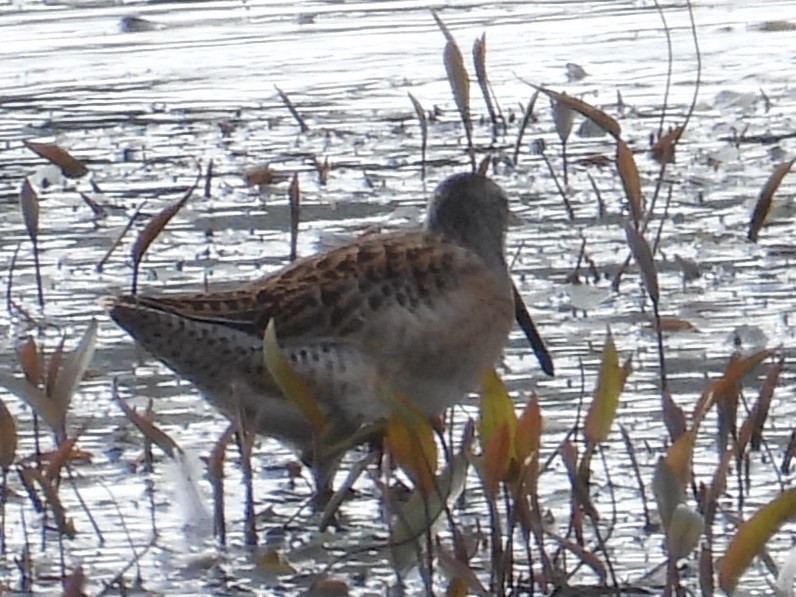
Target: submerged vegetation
[(710, 522)]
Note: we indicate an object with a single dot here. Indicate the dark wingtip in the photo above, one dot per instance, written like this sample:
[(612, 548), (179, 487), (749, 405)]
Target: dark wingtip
[(528, 327)]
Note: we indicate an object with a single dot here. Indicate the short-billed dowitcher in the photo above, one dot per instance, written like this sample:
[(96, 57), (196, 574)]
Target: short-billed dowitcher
[(423, 313)]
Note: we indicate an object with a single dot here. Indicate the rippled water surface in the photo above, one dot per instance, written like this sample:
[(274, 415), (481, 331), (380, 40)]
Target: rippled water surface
[(198, 83)]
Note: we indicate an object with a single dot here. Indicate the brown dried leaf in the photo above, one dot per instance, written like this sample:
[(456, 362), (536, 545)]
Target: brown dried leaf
[(155, 226), (459, 81), (765, 198), (28, 357), (8, 437), (675, 324), (600, 118), (628, 173), (70, 167), (29, 202), (151, 431), (752, 427), (62, 524), (673, 416), (663, 149), (563, 118), (483, 165), (646, 263), (99, 210)]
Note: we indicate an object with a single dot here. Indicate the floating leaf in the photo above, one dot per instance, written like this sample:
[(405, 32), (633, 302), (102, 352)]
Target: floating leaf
[(290, 383), (631, 181), (751, 537), (8, 438), (675, 324), (765, 198), (610, 383), (70, 167), (643, 255)]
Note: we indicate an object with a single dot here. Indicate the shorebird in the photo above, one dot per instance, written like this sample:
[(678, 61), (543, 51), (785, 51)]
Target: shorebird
[(423, 313)]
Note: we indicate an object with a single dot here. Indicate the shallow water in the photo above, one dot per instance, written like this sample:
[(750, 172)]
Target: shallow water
[(142, 108)]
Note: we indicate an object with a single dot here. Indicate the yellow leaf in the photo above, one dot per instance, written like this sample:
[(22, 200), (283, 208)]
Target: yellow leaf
[(496, 409), (752, 536), (293, 387), (610, 383), (410, 438)]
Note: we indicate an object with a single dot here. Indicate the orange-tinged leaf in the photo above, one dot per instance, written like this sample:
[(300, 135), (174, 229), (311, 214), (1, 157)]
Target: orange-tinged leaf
[(610, 383), (292, 385), (528, 437), (752, 536), (294, 198), (679, 455), (28, 356), (496, 409), (70, 167), (497, 457), (631, 181), (765, 198), (410, 438), (8, 437)]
